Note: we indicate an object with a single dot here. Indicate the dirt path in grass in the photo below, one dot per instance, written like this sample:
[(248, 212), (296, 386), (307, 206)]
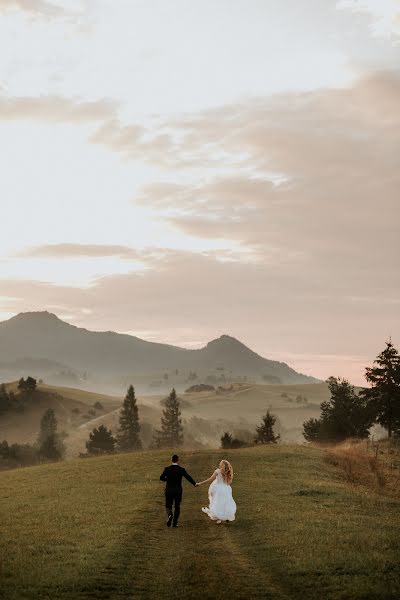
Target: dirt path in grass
[(198, 560)]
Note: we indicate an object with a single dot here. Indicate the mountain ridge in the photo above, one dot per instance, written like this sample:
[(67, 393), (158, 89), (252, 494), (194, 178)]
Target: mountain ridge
[(43, 335)]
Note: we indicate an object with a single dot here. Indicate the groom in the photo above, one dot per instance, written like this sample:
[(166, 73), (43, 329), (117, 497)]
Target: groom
[(173, 490)]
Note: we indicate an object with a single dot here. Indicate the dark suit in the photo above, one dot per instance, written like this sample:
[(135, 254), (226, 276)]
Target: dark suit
[(172, 475)]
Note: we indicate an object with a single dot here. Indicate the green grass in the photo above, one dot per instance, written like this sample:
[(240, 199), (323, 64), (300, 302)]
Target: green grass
[(96, 529)]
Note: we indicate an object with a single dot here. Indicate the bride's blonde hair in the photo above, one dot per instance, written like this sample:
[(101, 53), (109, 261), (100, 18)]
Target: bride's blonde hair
[(226, 471)]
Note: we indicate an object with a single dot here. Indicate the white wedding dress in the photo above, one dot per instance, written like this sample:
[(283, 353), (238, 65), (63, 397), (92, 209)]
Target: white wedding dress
[(222, 505)]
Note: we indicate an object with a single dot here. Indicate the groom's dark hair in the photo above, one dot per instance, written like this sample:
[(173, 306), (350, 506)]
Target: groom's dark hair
[(175, 458)]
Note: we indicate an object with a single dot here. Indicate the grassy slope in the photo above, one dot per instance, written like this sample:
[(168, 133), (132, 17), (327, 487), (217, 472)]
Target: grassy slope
[(242, 407), (95, 529), (24, 427)]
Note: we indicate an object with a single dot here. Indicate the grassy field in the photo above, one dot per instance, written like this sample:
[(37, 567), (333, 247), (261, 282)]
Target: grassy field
[(95, 528)]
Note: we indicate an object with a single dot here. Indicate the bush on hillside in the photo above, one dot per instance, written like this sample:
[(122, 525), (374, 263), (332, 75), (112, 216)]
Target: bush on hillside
[(230, 442), (200, 387)]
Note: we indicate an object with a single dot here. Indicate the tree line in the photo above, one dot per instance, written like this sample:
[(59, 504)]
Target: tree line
[(348, 414)]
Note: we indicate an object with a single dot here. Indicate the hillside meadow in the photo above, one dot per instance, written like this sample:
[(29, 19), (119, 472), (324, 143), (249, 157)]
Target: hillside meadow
[(206, 415), (95, 528)]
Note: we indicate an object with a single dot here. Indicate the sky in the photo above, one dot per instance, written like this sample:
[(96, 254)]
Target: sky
[(179, 170)]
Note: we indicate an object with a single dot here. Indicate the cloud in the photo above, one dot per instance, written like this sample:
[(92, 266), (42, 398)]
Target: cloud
[(335, 210), (35, 7), (79, 250), (385, 15), (55, 109)]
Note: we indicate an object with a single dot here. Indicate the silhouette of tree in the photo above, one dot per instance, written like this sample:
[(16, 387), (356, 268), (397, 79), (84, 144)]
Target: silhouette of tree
[(101, 441), (50, 444), (171, 433), (265, 432), (384, 394), (129, 426)]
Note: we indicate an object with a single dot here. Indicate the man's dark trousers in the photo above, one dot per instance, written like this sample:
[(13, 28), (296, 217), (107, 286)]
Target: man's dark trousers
[(173, 497)]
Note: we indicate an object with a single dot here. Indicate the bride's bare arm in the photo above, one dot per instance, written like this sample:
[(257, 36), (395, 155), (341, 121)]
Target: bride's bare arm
[(213, 476)]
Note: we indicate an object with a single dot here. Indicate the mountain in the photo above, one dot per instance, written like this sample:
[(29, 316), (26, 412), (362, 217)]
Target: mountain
[(108, 356)]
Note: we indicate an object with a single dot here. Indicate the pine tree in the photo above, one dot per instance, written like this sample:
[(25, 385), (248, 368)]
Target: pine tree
[(312, 430), (101, 441), (345, 415), (129, 426), (265, 432), (49, 442), (171, 434), (226, 440), (384, 395)]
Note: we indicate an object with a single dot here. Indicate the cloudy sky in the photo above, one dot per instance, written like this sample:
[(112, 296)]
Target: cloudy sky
[(179, 169)]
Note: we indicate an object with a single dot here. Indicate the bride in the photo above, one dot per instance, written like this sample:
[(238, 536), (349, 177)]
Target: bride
[(222, 505)]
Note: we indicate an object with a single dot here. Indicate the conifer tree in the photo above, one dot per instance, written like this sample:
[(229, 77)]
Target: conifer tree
[(171, 433), (265, 432), (101, 441), (384, 394), (49, 442), (345, 415), (129, 426)]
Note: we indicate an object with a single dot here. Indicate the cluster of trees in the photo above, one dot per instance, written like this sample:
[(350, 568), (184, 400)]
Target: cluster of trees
[(14, 402), (101, 439), (49, 445), (348, 414), (9, 401), (265, 434), (27, 385), (170, 435)]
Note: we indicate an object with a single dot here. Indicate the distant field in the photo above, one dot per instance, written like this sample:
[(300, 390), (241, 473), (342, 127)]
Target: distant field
[(95, 528), (206, 415)]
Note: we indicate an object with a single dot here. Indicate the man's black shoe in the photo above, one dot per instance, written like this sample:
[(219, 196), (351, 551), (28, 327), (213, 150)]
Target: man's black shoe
[(169, 520), (175, 525)]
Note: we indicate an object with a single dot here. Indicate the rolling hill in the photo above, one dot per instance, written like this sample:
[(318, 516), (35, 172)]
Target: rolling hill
[(237, 408), (95, 529), (63, 350)]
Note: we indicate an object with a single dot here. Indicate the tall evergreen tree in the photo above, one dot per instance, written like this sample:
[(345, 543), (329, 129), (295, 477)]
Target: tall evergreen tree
[(171, 433), (344, 415), (265, 432), (384, 393), (129, 426), (48, 426), (101, 441), (49, 442)]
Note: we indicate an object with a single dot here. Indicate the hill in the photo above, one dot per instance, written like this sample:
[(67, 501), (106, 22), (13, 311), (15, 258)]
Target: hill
[(95, 528), (111, 358), (71, 406), (237, 408)]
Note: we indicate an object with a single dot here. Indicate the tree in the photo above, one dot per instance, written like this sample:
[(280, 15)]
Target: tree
[(384, 394), (49, 442), (28, 385), (312, 430), (226, 440), (265, 432), (129, 426), (171, 433), (345, 415), (101, 441), (98, 406)]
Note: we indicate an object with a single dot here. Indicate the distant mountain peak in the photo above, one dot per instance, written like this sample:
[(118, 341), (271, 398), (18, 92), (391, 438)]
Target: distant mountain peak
[(42, 315), (224, 339)]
